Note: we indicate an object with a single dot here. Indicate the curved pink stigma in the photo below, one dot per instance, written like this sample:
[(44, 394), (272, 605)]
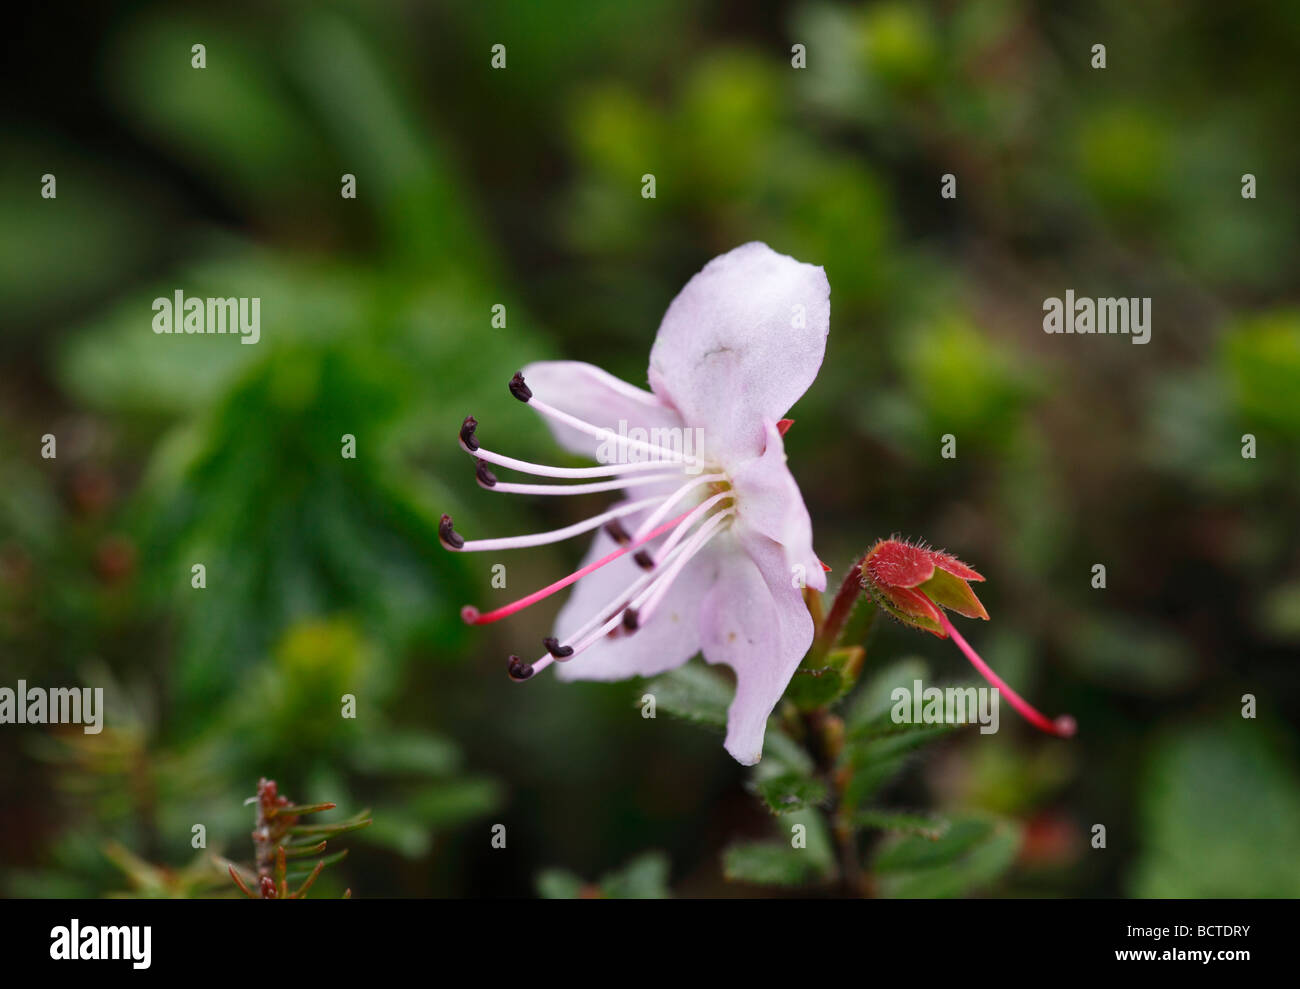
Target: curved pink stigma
[(472, 616), (1063, 727)]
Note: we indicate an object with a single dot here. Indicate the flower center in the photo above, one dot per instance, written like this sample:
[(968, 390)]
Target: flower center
[(695, 502)]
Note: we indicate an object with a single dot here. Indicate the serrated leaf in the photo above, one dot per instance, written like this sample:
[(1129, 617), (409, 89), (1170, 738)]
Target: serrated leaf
[(921, 825), (692, 692), (766, 863), (781, 863), (872, 762), (974, 852), (789, 792), (873, 701), (825, 681)]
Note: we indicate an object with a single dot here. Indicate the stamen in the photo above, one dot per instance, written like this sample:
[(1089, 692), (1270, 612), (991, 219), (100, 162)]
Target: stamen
[(697, 512), (653, 518), (448, 536), (1064, 726), (472, 616), (615, 484), (656, 586), (545, 470), (613, 608), (519, 670), (553, 646), (522, 392), (656, 593), (467, 438), (541, 538), (484, 475), (643, 559), (618, 533)]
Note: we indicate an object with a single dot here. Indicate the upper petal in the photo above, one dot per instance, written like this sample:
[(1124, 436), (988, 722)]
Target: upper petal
[(757, 623), (596, 396), (739, 345), (769, 502)]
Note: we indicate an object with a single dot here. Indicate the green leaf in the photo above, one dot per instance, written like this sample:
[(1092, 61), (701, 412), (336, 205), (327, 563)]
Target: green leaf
[(644, 878), (410, 752), (873, 702), (874, 760), (441, 805), (922, 825), (766, 863), (1218, 815), (974, 852), (355, 823), (789, 792), (302, 809), (559, 884), (692, 692), (784, 862), (782, 754), (826, 681)]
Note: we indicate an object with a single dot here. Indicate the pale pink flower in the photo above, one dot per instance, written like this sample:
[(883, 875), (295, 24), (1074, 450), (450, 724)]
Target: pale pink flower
[(711, 545)]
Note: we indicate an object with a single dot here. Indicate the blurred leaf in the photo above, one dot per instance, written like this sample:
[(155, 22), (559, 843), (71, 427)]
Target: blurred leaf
[(871, 705), (826, 681), (559, 884), (788, 793), (445, 805), (643, 878), (1262, 356), (1218, 816), (967, 858), (1279, 611), (692, 692), (925, 826), (779, 863), (416, 753), (874, 759), (1131, 653), (1124, 156)]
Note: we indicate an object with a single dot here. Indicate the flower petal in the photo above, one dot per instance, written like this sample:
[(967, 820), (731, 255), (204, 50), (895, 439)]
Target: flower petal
[(756, 623), (596, 396), (739, 345), (769, 502), (668, 639)]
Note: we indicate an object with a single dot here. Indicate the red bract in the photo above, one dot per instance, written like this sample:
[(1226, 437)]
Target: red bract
[(915, 584)]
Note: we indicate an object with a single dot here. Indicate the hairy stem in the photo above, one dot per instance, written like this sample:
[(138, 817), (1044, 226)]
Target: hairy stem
[(847, 596)]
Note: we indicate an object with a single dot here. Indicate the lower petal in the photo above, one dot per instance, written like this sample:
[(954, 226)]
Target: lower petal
[(754, 621)]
